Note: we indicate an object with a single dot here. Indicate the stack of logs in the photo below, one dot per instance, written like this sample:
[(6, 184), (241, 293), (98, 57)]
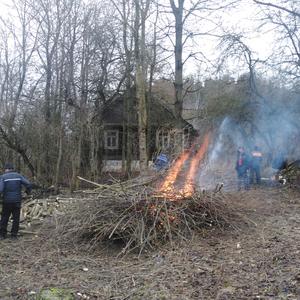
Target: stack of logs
[(38, 209), (292, 173)]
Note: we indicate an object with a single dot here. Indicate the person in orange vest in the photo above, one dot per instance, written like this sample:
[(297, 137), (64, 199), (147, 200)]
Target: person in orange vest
[(256, 159)]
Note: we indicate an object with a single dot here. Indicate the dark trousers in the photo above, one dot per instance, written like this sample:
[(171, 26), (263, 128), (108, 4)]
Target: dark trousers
[(255, 174), (8, 209), (243, 179)]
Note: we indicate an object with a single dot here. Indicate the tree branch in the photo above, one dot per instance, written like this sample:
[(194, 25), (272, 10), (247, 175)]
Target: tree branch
[(278, 7)]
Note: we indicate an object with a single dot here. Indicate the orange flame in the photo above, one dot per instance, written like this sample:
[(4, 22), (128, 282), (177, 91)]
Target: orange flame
[(167, 186), (189, 183), (167, 189)]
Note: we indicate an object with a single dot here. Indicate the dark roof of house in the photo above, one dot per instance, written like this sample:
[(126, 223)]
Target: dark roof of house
[(159, 115), (113, 112)]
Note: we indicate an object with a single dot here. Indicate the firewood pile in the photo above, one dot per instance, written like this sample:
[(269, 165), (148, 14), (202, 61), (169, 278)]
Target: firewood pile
[(139, 218), (34, 210), (292, 173)]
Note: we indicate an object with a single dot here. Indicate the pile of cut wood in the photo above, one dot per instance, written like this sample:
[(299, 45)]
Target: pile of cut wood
[(292, 173), (37, 209)]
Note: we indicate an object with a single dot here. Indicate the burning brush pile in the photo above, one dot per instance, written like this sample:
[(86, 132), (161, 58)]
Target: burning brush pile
[(140, 214)]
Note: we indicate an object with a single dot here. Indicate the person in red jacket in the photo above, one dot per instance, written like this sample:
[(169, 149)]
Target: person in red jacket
[(11, 184), (242, 168)]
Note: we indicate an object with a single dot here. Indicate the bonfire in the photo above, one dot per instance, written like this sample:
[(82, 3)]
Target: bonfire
[(142, 213)]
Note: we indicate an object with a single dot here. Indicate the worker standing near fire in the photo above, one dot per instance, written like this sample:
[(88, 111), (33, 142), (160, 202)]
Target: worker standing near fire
[(242, 168), (256, 159), (11, 184), (161, 162)]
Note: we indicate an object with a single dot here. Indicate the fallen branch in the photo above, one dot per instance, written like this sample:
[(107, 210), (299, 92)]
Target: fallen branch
[(91, 182)]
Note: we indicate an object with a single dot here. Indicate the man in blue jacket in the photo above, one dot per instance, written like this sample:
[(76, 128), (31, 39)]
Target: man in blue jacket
[(11, 188), (256, 159)]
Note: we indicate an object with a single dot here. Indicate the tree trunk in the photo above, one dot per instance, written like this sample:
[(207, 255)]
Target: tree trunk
[(59, 159), (127, 138), (127, 131), (178, 82), (140, 78)]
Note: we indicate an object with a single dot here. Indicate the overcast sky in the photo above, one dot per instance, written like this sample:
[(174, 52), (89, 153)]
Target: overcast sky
[(241, 19)]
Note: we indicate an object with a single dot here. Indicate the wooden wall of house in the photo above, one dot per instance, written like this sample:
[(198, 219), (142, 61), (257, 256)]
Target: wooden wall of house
[(116, 154)]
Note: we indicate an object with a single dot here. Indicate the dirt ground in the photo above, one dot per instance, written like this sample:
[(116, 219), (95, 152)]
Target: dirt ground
[(260, 261)]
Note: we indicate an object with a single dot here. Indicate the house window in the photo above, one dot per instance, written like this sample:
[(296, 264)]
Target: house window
[(163, 139), (111, 139), (186, 139)]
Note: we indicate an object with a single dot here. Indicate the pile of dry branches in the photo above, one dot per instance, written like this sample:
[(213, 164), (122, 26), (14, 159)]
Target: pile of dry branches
[(140, 218)]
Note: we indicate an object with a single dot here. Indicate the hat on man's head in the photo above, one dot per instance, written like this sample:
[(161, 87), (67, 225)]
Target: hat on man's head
[(8, 166)]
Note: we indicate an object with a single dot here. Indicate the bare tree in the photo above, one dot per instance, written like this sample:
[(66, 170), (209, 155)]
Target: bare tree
[(293, 11), (284, 16), (183, 11), (233, 46), (126, 15), (15, 71), (141, 14), (73, 59)]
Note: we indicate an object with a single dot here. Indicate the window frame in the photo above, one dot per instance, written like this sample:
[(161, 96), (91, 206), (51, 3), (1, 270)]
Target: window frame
[(163, 138), (107, 136)]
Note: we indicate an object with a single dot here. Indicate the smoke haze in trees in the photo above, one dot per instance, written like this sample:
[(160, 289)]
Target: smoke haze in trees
[(274, 127)]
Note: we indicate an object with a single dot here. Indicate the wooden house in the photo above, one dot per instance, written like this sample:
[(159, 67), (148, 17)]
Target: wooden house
[(163, 129)]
